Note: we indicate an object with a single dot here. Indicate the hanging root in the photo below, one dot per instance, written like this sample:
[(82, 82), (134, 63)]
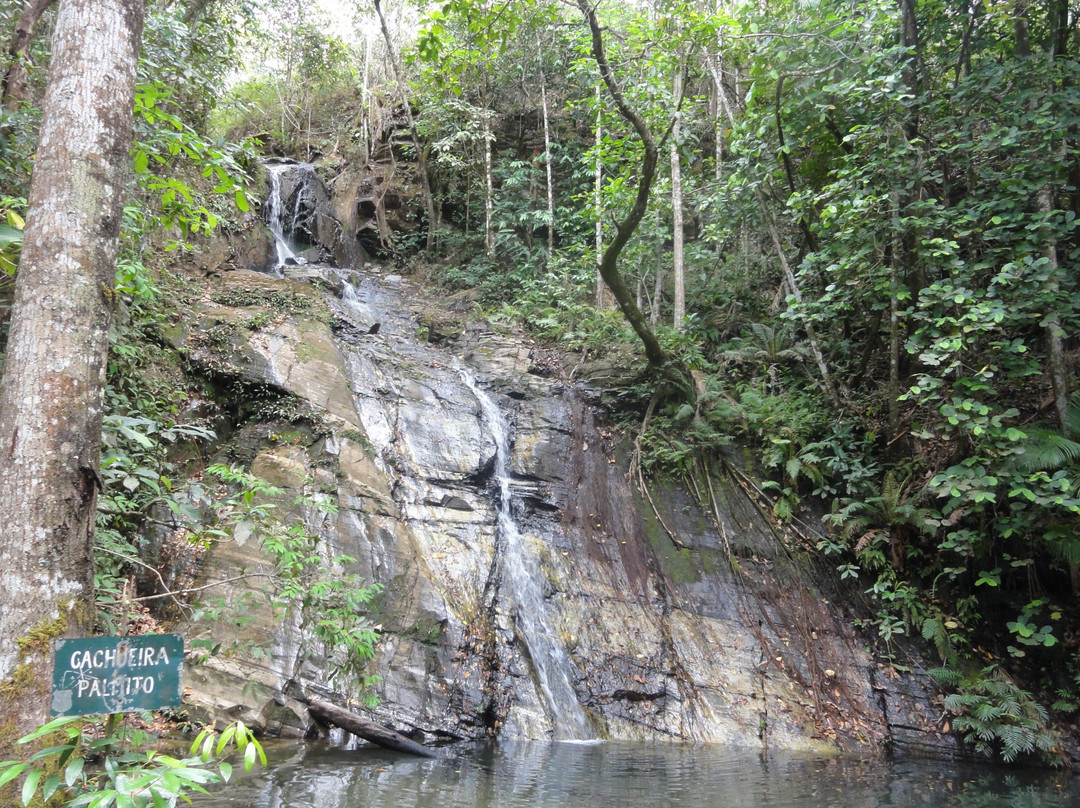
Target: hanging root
[(635, 473), (720, 522)]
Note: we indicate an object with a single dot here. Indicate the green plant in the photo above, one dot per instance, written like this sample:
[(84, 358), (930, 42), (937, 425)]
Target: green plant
[(161, 135), (11, 235), (116, 768), (878, 528), (309, 582), (997, 717), (1026, 628)]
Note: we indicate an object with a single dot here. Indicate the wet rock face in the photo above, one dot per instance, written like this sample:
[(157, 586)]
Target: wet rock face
[(673, 620), (310, 220)]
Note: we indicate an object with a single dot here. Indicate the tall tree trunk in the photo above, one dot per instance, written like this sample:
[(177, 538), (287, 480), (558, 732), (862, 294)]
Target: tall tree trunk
[(678, 274), (598, 204), (718, 155), (365, 99), (16, 78), (914, 273), (489, 191), (421, 153), (658, 279), (54, 376), (894, 325), (548, 171), (909, 39), (1055, 349), (609, 263)]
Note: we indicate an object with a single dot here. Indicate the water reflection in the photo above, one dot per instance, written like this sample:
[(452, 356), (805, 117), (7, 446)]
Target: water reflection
[(513, 775)]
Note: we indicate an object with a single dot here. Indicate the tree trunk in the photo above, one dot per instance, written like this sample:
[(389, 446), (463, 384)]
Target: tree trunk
[(547, 168), (54, 376), (598, 205), (609, 263), (365, 100), (894, 325), (678, 275), (718, 158), (15, 80), (774, 235), (1056, 366), (909, 39), (1055, 350), (658, 279), (421, 154), (368, 730), (489, 191)]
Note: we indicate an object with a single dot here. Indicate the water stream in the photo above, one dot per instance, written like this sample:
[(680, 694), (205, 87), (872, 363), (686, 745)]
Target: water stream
[(523, 578), (630, 775), (275, 215)]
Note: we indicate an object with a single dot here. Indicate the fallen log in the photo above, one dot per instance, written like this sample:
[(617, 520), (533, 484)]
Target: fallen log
[(368, 730)]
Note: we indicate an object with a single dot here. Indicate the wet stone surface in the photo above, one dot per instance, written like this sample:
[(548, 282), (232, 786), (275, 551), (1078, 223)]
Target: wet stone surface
[(721, 632)]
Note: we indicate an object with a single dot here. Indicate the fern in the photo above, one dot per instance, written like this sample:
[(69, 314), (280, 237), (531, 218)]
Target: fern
[(934, 629), (997, 717), (1047, 450), (1050, 449), (1063, 544)]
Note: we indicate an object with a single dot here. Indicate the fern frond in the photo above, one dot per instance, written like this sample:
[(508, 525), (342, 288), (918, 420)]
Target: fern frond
[(867, 538), (1064, 547), (1046, 450)]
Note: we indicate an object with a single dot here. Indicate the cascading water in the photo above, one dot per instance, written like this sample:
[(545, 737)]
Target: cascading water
[(521, 578), (298, 206), (275, 215)]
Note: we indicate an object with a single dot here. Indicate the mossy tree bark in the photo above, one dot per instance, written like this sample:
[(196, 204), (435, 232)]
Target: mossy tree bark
[(54, 374)]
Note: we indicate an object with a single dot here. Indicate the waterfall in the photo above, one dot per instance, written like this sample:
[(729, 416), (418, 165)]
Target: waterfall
[(275, 214), (298, 206), (348, 293), (522, 581)]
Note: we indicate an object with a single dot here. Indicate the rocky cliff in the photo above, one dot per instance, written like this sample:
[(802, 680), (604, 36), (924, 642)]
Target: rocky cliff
[(531, 590)]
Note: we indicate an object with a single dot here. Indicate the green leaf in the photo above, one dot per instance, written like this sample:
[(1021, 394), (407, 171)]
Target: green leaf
[(73, 771), (50, 751), (12, 771), (141, 162), (226, 736), (9, 235), (52, 782), (207, 746), (241, 736), (241, 201), (30, 785), (52, 726)]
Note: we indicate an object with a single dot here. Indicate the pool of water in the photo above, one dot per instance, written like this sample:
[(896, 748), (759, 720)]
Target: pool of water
[(627, 775)]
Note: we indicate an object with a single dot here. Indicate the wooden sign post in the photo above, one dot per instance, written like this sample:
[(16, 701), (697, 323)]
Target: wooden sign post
[(117, 674)]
